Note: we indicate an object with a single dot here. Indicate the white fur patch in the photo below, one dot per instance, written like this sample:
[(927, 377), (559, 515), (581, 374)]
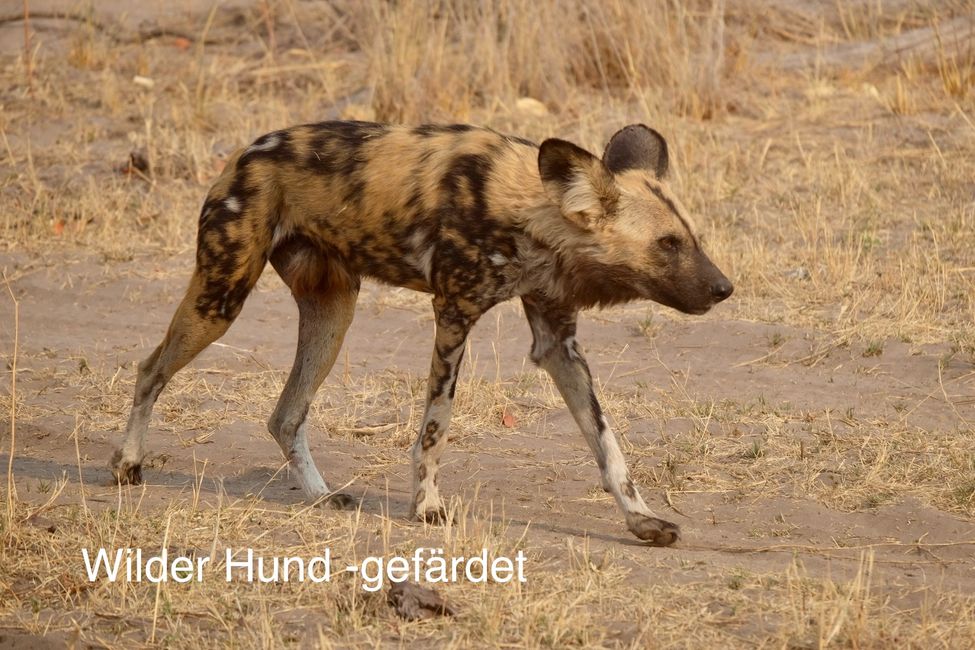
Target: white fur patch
[(298, 260), (223, 305), (304, 468), (580, 196), (278, 235), (570, 348), (421, 254), (232, 203), (498, 259), (425, 262), (269, 143)]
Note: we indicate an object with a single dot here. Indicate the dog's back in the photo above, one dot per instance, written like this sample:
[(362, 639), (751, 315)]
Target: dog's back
[(375, 200)]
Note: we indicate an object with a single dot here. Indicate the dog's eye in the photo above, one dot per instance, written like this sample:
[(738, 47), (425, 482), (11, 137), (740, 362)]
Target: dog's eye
[(669, 243)]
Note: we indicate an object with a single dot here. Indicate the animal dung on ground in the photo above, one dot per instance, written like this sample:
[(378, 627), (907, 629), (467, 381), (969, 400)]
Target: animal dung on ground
[(415, 603), (137, 164)]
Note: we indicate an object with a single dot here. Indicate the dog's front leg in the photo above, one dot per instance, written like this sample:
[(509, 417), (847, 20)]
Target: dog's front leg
[(554, 349), (453, 324)]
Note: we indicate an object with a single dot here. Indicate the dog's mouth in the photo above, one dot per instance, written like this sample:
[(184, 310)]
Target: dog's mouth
[(694, 310), (678, 302)]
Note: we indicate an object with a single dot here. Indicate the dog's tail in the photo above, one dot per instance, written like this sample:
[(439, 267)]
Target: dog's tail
[(235, 236)]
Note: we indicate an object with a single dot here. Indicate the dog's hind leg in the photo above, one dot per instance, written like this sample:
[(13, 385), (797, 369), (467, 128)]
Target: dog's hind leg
[(554, 349), (199, 320), (326, 299), (231, 252)]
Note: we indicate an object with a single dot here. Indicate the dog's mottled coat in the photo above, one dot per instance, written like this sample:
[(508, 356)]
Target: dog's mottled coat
[(466, 214)]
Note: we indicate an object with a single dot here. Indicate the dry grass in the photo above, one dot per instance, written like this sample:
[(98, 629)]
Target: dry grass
[(837, 195)]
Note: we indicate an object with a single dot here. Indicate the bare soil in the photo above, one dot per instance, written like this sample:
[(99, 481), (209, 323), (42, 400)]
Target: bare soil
[(539, 473)]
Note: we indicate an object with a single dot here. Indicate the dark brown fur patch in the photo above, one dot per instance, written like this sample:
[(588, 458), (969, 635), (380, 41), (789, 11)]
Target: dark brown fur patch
[(628, 489), (430, 439), (637, 147)]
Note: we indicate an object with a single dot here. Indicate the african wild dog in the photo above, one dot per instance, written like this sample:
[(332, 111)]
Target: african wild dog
[(466, 214)]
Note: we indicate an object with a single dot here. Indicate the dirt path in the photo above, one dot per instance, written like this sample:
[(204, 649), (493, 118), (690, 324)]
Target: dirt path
[(737, 515)]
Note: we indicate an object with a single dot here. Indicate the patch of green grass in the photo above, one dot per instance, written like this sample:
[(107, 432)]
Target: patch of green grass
[(874, 349)]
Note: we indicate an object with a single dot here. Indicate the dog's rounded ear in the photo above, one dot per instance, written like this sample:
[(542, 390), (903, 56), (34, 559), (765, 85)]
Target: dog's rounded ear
[(637, 147), (577, 182)]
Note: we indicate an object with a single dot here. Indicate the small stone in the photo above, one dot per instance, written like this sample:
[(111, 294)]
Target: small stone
[(798, 273), (531, 106), (414, 603)]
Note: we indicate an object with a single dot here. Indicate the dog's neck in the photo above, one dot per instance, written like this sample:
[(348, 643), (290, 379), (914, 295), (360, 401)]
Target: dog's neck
[(560, 260)]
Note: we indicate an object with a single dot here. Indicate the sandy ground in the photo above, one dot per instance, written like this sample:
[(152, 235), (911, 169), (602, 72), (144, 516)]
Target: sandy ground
[(542, 473)]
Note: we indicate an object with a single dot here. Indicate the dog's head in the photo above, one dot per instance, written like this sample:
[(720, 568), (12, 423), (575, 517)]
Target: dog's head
[(634, 234)]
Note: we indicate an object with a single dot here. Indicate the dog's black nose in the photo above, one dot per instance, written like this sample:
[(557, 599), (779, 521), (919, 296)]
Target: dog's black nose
[(721, 289)]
